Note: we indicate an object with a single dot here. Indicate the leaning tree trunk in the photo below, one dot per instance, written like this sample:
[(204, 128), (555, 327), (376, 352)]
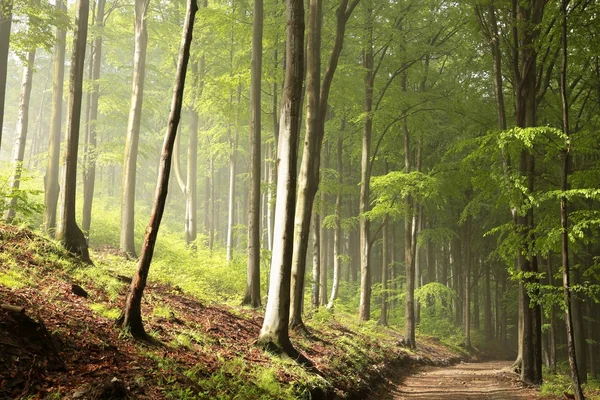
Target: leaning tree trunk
[(89, 163), (131, 317), (133, 130), (68, 232), (6, 7), (252, 296), (275, 329), (20, 136)]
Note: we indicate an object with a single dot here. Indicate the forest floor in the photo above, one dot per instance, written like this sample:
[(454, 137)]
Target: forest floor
[(491, 380), (58, 339)]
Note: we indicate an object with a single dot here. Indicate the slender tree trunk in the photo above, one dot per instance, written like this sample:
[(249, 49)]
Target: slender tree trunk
[(564, 214), (487, 307), (409, 262), (252, 296), (337, 233), (383, 317), (133, 129), (89, 164), (324, 238), (364, 313), (68, 232), (131, 317), (475, 291), (316, 230), (274, 333), (231, 206), (467, 287), (211, 203), (20, 136), (6, 7), (191, 192)]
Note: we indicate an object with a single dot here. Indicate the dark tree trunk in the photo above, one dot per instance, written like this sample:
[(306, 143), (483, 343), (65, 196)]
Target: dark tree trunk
[(68, 232), (89, 163), (131, 317), (564, 214), (252, 296)]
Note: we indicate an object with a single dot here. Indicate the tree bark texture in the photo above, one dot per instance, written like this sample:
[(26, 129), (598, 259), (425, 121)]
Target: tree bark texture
[(337, 233)]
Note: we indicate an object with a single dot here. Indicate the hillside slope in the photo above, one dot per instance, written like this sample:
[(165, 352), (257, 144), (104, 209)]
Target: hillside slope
[(58, 339)]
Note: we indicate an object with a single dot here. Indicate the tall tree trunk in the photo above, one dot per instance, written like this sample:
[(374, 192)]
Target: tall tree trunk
[(274, 333), (20, 136), (191, 192), (6, 7), (364, 313), (68, 232), (316, 110), (564, 214), (252, 296), (131, 317), (324, 246), (133, 129), (409, 262), (89, 163), (337, 233), (475, 291), (211, 203)]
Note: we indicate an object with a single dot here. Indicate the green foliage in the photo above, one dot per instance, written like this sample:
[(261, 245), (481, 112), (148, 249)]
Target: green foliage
[(28, 202)]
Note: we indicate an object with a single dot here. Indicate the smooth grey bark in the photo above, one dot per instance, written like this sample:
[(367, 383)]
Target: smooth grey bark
[(68, 233), (127, 242), (274, 333), (131, 317), (252, 295), (383, 316), (316, 259), (6, 7), (89, 157), (467, 276), (337, 232), (231, 203), (20, 136), (324, 242)]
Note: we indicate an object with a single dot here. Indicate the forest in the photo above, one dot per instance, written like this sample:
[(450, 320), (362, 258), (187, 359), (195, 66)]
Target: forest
[(422, 175)]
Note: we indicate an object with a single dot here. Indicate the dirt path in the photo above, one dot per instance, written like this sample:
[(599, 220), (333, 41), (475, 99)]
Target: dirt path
[(467, 381)]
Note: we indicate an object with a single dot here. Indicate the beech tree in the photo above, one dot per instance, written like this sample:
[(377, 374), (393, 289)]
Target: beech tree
[(274, 333), (69, 233), (133, 129), (51, 185), (252, 295)]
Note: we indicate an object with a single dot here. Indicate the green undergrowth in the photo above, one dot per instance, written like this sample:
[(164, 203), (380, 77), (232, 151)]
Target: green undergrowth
[(560, 383), (194, 360)]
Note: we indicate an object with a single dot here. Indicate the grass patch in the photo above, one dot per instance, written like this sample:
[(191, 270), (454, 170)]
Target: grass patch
[(101, 309)]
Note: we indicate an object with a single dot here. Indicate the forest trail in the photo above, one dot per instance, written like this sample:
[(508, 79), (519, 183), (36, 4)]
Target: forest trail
[(465, 381)]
